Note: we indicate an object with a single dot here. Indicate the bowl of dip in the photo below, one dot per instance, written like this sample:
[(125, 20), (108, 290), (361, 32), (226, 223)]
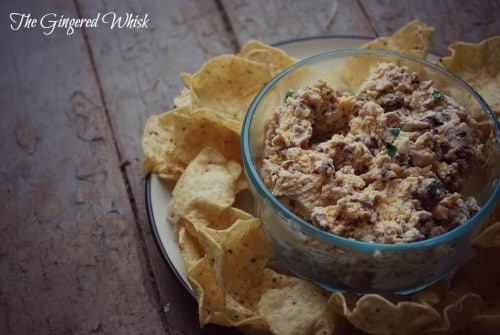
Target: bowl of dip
[(371, 171)]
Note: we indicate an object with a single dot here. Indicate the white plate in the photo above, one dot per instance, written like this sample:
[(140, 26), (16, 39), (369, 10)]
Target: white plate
[(158, 192)]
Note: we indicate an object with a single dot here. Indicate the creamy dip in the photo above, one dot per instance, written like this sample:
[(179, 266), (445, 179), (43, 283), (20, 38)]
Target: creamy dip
[(384, 165)]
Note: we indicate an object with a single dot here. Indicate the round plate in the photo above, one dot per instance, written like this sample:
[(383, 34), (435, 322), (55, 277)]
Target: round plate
[(158, 192)]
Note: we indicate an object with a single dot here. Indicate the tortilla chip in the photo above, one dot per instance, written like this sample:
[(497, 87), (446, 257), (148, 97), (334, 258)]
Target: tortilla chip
[(201, 216), (274, 58), (244, 254), (183, 99), (456, 310), (413, 39), (196, 130), (295, 306), (189, 247), (226, 84), (226, 254), (235, 265), (481, 275), (490, 237), (478, 64), (377, 315), (210, 297), (459, 314), (209, 179), (158, 147)]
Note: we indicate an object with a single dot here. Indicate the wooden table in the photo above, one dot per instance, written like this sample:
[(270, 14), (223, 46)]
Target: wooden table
[(76, 251)]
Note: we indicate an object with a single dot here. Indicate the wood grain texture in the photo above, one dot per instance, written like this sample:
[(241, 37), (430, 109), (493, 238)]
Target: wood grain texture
[(139, 73), (276, 21), (70, 261), (76, 251), (454, 20)]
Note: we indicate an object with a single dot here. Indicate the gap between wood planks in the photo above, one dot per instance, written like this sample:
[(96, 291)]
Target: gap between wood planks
[(365, 13), (227, 24), (125, 177)]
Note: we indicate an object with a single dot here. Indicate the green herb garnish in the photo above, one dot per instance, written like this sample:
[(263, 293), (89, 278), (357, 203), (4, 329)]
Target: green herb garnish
[(392, 150), (395, 131), (290, 93), (436, 122), (434, 188), (436, 95)]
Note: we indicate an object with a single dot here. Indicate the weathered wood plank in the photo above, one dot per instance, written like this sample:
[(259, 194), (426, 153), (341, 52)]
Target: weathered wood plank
[(71, 255), (70, 260), (279, 20), (275, 21), (139, 74), (454, 20)]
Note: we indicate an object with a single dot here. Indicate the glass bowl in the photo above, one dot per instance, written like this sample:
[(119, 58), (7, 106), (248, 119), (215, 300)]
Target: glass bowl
[(347, 265)]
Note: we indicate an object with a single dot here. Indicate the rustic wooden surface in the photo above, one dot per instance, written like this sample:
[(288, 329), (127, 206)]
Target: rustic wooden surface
[(76, 251)]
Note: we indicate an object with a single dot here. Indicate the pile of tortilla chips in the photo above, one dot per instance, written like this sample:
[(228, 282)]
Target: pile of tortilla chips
[(227, 256), (479, 66)]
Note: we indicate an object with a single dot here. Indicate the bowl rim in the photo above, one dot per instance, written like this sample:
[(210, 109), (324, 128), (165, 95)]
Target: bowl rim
[(308, 228)]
